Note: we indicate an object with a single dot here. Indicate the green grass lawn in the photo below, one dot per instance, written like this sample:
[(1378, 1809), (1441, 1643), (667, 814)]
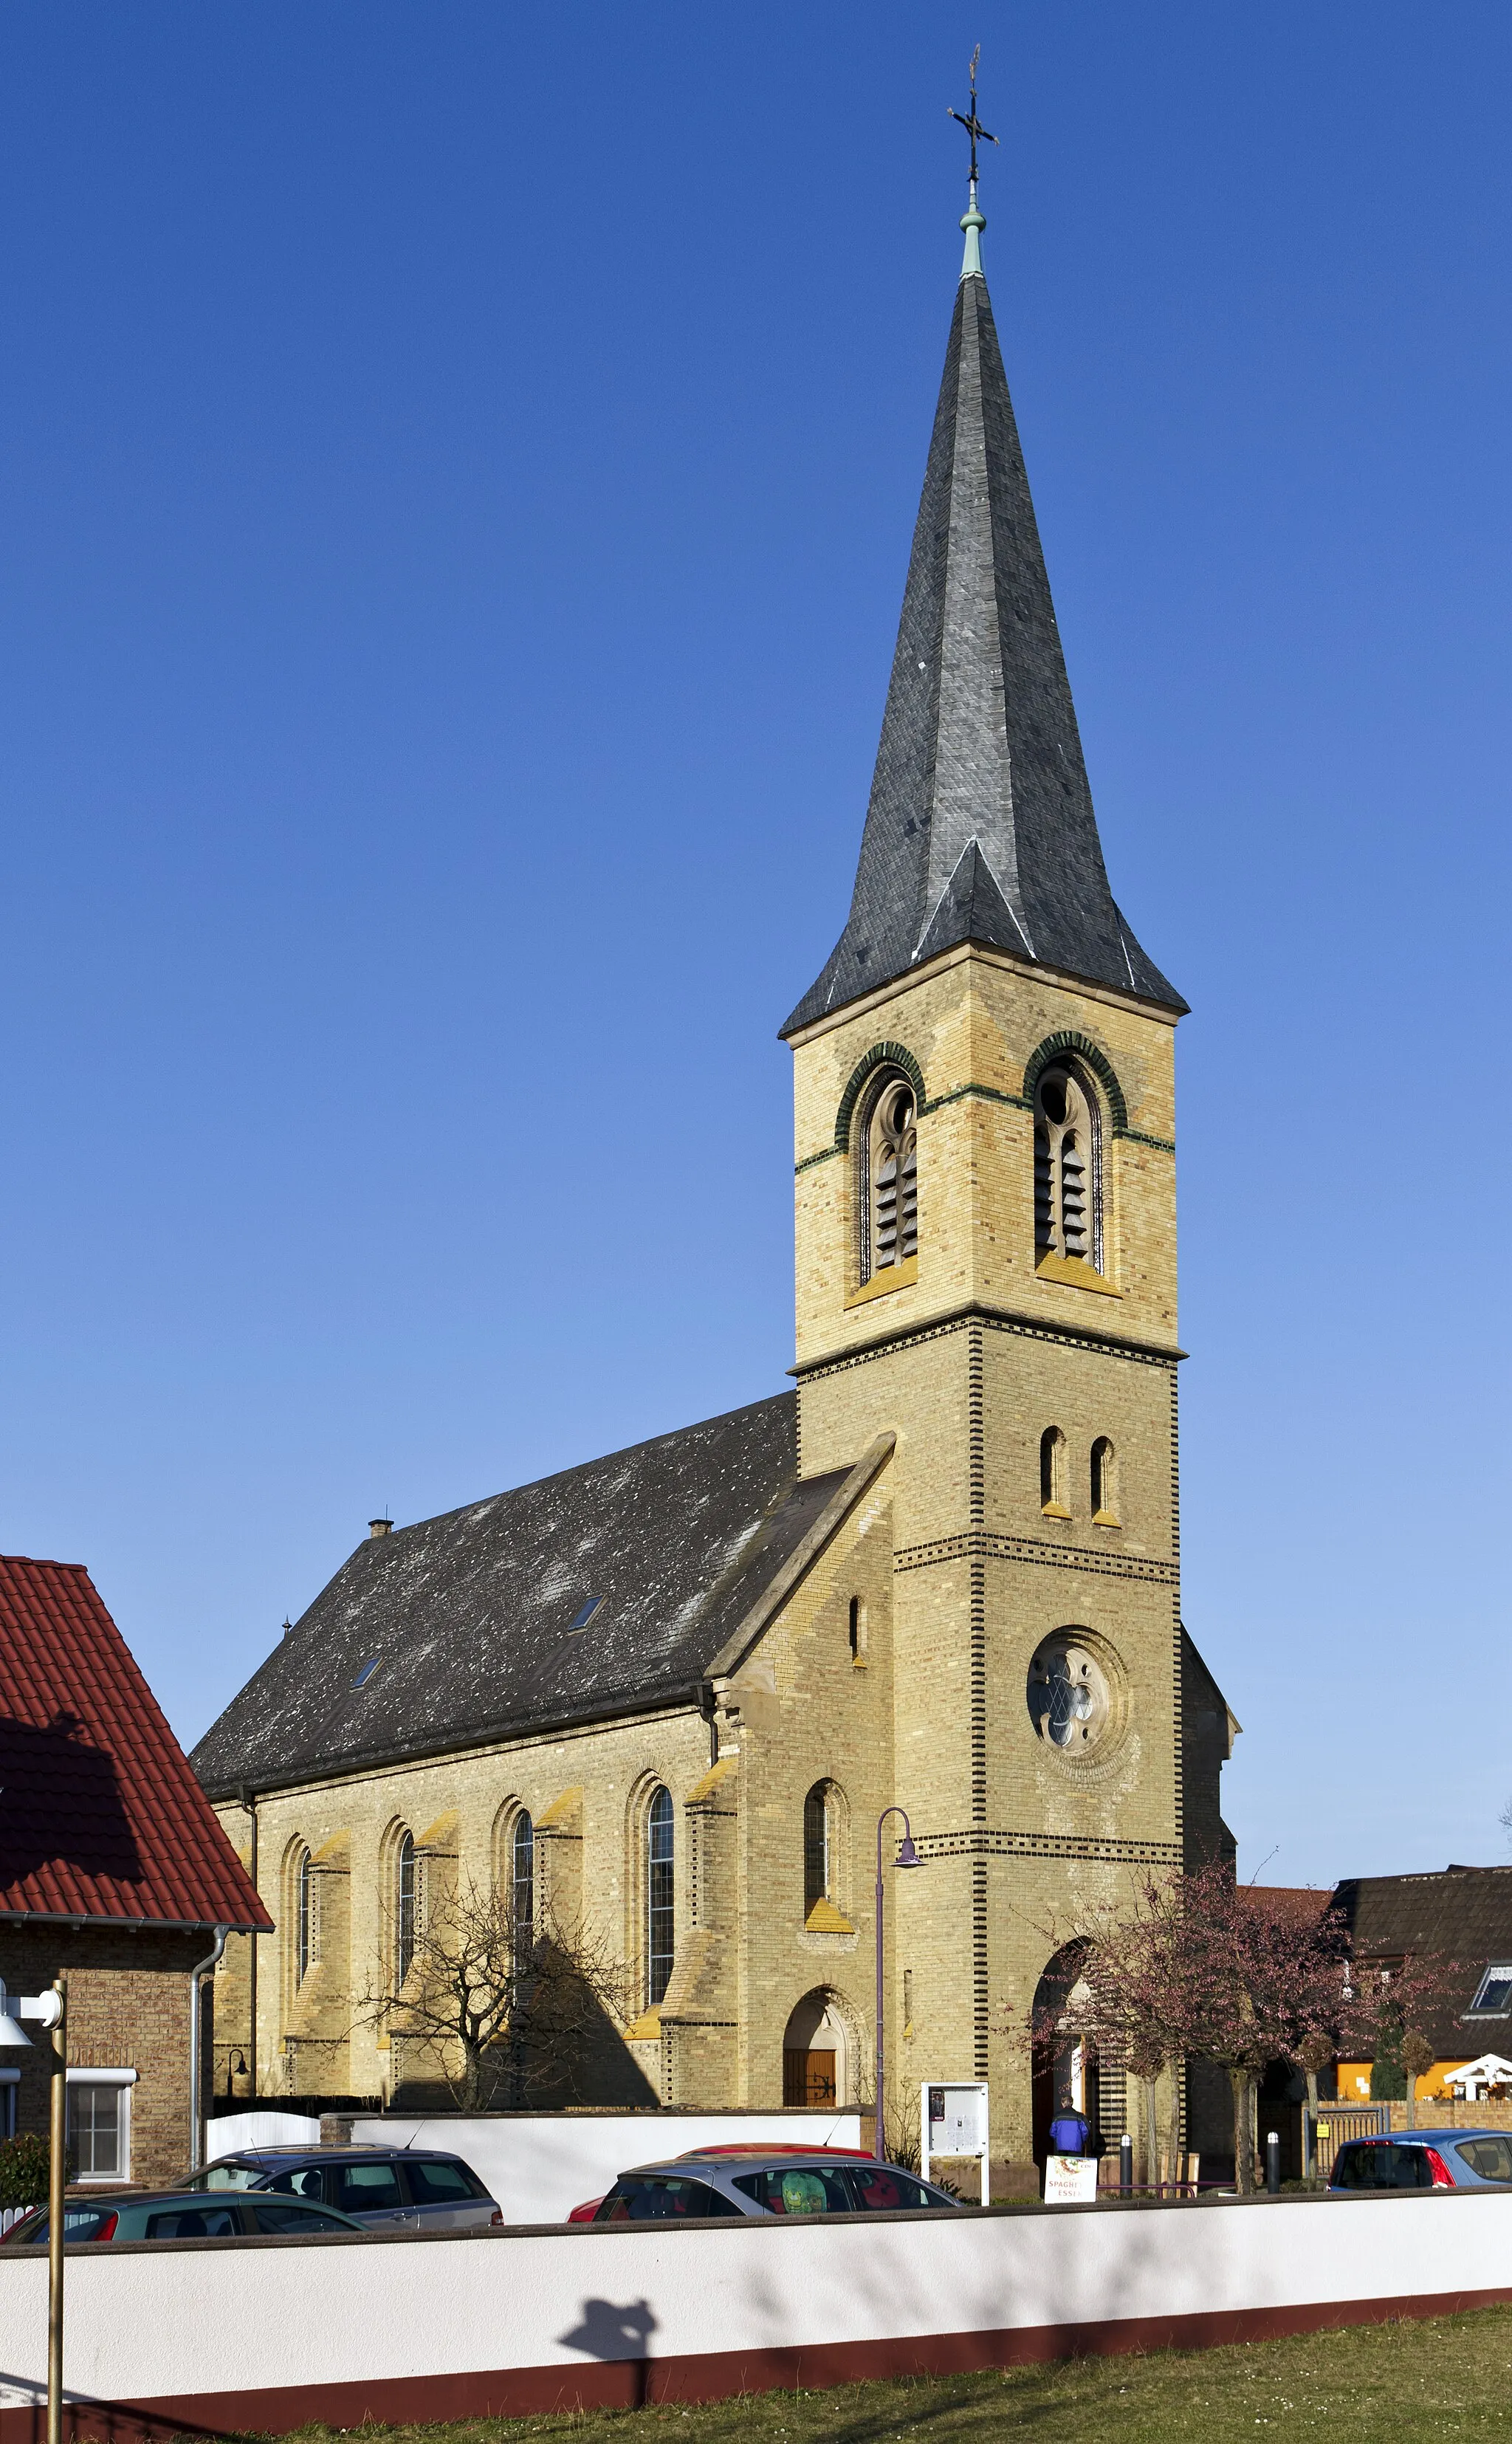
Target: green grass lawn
[(1451, 2376)]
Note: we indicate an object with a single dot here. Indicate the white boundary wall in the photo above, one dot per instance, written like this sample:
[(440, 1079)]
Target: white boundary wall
[(273, 2334), (539, 2166)]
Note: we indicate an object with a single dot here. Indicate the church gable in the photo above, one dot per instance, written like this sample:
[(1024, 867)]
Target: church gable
[(468, 1620)]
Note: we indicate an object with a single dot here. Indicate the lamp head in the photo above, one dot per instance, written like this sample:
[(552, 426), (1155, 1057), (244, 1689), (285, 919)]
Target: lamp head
[(906, 1854), (12, 2032)]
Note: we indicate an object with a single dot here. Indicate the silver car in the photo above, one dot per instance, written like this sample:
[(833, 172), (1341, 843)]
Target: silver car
[(387, 2189)]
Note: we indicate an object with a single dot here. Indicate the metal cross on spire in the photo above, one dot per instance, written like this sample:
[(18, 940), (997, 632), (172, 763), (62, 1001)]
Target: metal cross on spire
[(972, 123)]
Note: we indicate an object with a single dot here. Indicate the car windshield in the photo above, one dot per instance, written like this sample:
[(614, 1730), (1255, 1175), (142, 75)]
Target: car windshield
[(798, 2189), (1490, 2159), (79, 2223), (659, 2197), (226, 2177)]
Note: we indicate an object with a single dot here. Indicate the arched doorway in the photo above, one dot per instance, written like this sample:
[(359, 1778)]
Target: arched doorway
[(1064, 2066), (818, 2051)]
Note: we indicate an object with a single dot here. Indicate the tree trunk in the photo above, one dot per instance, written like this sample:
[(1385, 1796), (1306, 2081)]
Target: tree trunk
[(1151, 2139), (1310, 2133), (1243, 2083)]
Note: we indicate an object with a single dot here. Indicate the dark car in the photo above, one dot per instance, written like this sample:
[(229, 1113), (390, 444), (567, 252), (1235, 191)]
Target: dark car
[(179, 2215), (387, 2189), (774, 2181), (1423, 2160)]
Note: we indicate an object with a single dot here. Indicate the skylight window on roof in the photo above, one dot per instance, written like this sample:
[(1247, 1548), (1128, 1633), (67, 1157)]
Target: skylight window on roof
[(584, 1615), (1495, 1992), (366, 1672)]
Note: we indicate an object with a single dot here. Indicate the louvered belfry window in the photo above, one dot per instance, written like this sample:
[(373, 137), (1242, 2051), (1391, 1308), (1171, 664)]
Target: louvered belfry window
[(1067, 1216), (891, 1207)]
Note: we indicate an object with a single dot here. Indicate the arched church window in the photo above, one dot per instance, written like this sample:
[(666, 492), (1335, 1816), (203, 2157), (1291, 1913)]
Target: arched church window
[(818, 1859), (1067, 1169), (406, 1907), (661, 1924), (888, 1202), (303, 1918), (1104, 1483), (523, 1887), (1053, 1474)]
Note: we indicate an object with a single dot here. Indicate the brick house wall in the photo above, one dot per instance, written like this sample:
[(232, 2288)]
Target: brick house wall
[(128, 2009)]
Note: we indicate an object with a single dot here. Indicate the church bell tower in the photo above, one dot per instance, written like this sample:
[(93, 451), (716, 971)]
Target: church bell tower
[(987, 1268)]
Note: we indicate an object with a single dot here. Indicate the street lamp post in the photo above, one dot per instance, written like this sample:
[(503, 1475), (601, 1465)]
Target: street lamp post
[(51, 2011), (907, 1857)]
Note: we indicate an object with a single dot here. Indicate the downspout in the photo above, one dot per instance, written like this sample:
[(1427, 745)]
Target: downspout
[(195, 2148)]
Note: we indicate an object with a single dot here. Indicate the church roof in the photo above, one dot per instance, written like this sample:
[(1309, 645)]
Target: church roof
[(979, 826), (469, 1618)]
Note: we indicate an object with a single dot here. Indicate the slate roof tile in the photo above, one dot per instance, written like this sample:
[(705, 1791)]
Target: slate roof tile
[(470, 1615)]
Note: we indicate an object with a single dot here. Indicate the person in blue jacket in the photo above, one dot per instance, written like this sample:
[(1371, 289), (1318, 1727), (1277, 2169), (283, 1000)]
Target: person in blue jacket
[(1069, 2131)]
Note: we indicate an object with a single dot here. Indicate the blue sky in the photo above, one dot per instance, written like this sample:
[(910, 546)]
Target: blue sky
[(460, 464)]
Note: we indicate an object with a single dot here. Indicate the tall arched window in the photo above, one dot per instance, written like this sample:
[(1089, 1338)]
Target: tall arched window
[(406, 1908), (819, 1847), (523, 1887), (1053, 1474), (660, 1926), (303, 1905), (1067, 1169), (888, 1185), (1104, 1483)]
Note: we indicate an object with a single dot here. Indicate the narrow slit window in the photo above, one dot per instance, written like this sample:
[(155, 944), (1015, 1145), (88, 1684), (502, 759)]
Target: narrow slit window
[(303, 1918), (1104, 1483), (818, 1862), (857, 1630), (1052, 1472)]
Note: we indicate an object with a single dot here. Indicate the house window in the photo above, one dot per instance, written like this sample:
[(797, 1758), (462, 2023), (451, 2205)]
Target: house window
[(1053, 1474), (1104, 1483), (818, 1859), (888, 1202), (303, 1905), (522, 1898), (99, 2123), (660, 1929), (1067, 1169), (406, 1908), (10, 2081), (1494, 1994)]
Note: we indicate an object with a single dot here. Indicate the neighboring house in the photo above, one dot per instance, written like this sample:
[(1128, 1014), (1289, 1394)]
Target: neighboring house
[(1463, 1916), (113, 1870), (668, 1695)]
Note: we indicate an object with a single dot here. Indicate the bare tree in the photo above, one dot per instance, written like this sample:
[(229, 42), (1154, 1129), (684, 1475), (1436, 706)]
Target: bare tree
[(496, 2010)]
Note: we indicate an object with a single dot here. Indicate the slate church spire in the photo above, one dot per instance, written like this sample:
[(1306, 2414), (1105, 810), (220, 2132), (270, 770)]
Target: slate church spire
[(979, 826)]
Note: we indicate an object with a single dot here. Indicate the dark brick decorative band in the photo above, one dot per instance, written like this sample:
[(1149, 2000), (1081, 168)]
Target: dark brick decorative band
[(881, 1056), (1096, 1345), (1055, 1047), (981, 1541), (979, 1842)]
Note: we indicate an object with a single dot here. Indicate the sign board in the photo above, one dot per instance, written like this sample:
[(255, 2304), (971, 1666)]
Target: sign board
[(953, 2122), (1071, 2180)]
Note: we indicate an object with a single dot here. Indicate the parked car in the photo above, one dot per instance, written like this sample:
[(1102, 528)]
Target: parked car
[(762, 2181), (1423, 2160), (179, 2215), (386, 2188)]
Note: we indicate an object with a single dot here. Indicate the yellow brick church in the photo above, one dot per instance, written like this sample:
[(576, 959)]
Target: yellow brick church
[(663, 1698)]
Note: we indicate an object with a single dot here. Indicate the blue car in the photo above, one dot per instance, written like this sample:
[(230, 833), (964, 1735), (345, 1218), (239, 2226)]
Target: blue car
[(1423, 2160)]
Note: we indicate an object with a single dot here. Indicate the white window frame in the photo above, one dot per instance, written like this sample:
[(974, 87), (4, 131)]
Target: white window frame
[(125, 2081), (1494, 1970)]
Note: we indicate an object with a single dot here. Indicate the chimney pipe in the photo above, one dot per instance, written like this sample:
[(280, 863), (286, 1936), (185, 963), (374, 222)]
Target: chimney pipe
[(381, 1527)]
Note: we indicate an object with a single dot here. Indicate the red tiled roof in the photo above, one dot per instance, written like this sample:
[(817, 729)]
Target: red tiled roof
[(100, 1814)]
